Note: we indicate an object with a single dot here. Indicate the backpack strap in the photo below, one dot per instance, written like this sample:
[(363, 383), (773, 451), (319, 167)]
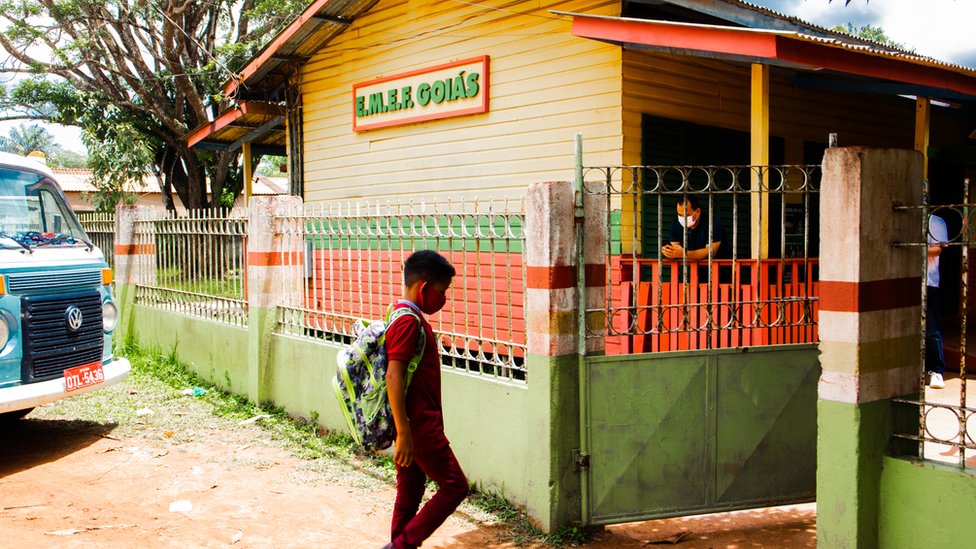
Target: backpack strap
[(393, 315)]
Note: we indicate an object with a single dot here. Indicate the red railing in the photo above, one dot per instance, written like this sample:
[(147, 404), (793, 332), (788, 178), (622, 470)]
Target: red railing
[(485, 301), (722, 304)]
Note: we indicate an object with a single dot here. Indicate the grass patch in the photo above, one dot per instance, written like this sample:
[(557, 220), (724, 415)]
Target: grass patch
[(520, 530), (158, 380)]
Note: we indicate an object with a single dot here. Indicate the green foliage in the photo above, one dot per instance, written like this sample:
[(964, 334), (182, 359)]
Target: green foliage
[(227, 198), (137, 77), (25, 138), (301, 436), (120, 156), (521, 531), (67, 159), (869, 32), (270, 166), (229, 285)]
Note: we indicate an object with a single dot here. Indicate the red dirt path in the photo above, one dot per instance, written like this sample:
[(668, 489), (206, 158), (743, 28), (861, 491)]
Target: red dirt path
[(73, 484)]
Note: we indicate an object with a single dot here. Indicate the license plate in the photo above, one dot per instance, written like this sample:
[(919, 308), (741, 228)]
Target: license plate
[(83, 376)]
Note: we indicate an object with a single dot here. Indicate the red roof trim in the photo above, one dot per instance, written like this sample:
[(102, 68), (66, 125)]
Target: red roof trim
[(274, 46), (230, 116), (694, 37), (797, 50), (770, 45)]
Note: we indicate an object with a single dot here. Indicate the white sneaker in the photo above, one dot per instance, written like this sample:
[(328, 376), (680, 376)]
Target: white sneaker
[(936, 381)]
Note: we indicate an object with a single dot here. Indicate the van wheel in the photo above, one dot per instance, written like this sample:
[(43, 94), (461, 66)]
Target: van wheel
[(15, 415)]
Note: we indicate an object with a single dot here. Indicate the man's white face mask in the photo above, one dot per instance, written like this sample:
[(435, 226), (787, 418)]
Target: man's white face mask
[(687, 221)]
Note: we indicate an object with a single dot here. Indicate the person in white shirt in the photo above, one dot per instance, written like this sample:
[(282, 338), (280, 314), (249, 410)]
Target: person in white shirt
[(934, 359)]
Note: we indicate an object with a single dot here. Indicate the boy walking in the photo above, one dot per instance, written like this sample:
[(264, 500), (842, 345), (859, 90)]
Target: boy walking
[(421, 449)]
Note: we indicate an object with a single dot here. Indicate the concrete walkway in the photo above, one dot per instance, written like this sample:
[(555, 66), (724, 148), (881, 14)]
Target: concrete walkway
[(781, 527), (944, 424)]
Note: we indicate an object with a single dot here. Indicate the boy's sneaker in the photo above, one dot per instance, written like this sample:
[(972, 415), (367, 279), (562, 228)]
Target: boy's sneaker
[(936, 381)]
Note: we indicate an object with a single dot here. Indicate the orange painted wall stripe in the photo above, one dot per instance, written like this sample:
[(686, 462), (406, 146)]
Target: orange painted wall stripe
[(275, 259), (135, 249), (864, 297), (596, 275), (555, 277), (564, 276)]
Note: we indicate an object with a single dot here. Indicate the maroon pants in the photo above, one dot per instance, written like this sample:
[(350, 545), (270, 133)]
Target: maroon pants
[(411, 528)]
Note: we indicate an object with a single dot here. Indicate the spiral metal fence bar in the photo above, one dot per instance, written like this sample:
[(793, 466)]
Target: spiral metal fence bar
[(101, 231), (759, 288), (200, 265), (946, 417), (354, 254)]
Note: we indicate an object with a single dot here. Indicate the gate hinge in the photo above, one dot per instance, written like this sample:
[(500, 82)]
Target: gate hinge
[(581, 460)]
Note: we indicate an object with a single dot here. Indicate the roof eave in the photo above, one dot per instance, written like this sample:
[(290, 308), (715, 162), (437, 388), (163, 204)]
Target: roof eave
[(778, 47), (273, 112)]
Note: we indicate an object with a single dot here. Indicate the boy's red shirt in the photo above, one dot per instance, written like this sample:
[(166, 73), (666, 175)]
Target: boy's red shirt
[(424, 393)]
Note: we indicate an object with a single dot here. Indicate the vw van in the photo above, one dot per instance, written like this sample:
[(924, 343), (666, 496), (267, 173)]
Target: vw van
[(56, 310)]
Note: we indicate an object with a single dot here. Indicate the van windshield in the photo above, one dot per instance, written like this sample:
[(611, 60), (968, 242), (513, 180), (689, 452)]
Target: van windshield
[(33, 213)]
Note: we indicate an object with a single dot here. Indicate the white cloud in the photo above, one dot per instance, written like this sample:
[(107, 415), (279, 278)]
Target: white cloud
[(938, 28)]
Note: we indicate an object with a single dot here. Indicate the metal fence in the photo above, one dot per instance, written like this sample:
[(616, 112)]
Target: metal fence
[(200, 265), (947, 416), (745, 272), (101, 230), (354, 255)]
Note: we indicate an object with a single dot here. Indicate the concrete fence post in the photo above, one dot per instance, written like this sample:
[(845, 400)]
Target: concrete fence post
[(135, 260), (870, 293), (275, 278), (595, 244), (552, 321)]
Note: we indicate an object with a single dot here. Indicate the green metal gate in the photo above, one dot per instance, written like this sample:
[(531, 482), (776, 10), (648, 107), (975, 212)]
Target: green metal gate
[(693, 432), (698, 375)]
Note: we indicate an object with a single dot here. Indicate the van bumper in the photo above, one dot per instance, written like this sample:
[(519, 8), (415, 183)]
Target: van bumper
[(34, 394)]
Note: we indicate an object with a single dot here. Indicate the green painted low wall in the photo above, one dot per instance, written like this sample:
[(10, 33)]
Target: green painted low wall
[(925, 504), (299, 377), (478, 413), (215, 351), (488, 423)]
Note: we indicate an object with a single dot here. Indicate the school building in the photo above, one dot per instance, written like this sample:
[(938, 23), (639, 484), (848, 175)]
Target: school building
[(433, 101)]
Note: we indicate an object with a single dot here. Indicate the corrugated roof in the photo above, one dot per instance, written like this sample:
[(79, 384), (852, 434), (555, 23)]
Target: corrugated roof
[(259, 123), (784, 47), (846, 39), (299, 41), (851, 41)]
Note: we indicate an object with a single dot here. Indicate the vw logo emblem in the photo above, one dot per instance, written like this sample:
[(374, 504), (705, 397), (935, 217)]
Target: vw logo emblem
[(73, 318)]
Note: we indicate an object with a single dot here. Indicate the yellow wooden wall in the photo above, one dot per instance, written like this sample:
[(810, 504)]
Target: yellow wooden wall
[(546, 85)]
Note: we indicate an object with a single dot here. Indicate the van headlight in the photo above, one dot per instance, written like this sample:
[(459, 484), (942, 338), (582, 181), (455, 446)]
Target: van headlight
[(110, 316), (4, 332)]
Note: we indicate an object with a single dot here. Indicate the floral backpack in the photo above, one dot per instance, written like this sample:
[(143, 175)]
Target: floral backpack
[(360, 383)]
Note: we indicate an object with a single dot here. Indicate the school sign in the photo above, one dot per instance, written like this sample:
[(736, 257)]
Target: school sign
[(453, 89)]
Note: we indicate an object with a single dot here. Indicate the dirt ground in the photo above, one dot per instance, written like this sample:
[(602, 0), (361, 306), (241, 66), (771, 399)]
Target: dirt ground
[(133, 482)]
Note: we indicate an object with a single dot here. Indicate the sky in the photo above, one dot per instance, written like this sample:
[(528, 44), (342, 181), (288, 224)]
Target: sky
[(941, 29), (937, 28)]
